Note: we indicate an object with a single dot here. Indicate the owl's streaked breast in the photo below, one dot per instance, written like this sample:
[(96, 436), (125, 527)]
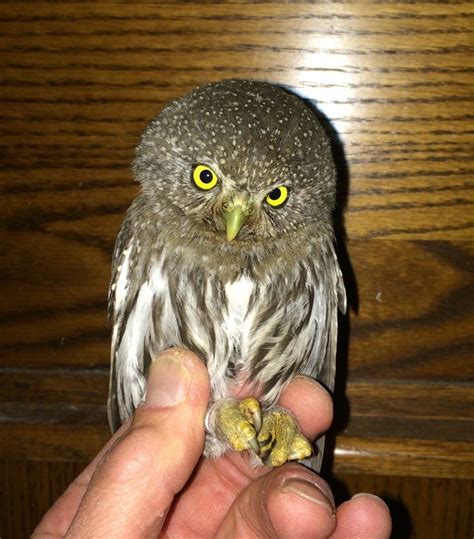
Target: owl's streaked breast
[(171, 309), (263, 330)]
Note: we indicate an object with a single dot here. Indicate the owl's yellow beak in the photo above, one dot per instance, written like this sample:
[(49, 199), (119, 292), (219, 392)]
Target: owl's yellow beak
[(236, 213)]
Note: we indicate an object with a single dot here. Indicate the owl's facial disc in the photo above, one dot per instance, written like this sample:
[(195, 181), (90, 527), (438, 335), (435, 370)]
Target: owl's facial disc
[(236, 211)]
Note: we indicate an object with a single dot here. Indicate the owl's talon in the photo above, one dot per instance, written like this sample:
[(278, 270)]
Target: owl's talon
[(280, 439), (300, 448), (275, 438), (239, 423)]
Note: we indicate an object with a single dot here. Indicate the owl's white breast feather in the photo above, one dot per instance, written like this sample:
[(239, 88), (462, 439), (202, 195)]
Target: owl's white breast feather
[(238, 295), (237, 320)]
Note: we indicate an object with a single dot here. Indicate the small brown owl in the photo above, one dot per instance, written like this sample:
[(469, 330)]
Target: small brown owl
[(228, 251)]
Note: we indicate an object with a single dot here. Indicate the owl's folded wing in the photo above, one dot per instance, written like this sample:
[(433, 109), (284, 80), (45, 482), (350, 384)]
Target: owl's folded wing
[(127, 361), (331, 297)]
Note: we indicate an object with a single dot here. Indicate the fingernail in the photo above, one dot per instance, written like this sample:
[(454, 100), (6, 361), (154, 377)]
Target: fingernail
[(309, 491), (168, 382), (372, 496)]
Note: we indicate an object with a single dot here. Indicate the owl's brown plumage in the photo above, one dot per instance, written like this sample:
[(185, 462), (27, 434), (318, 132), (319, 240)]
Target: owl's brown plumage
[(262, 307)]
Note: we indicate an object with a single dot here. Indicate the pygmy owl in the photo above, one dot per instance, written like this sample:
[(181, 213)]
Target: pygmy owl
[(228, 250)]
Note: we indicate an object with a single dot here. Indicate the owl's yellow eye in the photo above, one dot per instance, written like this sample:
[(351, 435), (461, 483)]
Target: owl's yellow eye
[(204, 177), (277, 197)]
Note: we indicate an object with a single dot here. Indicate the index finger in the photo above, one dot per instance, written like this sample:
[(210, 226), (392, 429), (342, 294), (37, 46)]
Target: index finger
[(310, 403)]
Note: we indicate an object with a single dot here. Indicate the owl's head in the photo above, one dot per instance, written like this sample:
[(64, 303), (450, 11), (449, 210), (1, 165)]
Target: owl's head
[(237, 161)]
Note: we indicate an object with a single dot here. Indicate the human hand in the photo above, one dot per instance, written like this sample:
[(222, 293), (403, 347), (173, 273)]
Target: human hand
[(151, 479)]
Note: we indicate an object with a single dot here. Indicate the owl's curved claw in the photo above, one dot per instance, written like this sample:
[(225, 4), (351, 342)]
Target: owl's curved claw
[(254, 445), (250, 407), (257, 423)]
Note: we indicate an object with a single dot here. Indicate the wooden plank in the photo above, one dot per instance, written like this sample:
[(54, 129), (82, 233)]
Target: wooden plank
[(437, 508), (29, 489), (407, 457), (55, 442)]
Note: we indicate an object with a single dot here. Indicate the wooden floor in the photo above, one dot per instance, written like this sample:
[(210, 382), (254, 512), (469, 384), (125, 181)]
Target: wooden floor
[(393, 82)]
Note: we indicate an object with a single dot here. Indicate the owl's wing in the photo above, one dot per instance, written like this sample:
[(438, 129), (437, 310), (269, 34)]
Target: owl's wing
[(334, 300), (126, 384), (330, 296)]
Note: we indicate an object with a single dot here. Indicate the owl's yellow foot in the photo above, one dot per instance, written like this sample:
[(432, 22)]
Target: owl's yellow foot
[(240, 422), (275, 439), (280, 439)]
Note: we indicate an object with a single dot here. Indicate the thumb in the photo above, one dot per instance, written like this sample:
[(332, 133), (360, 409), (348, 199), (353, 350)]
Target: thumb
[(136, 481), (289, 501)]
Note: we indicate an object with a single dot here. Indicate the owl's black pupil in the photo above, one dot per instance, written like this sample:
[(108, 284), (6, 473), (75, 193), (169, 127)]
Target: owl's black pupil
[(275, 194), (205, 176)]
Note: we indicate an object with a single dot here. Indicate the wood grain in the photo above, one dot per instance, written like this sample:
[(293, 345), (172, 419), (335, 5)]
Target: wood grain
[(421, 508), (30, 488), (393, 82), (420, 458)]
